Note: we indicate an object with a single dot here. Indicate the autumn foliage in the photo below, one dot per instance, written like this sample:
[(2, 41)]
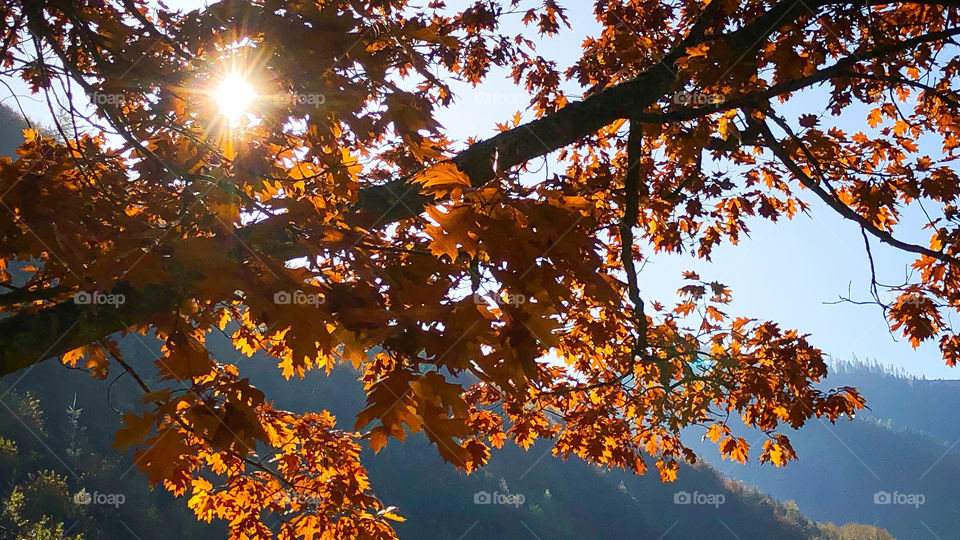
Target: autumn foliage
[(416, 250)]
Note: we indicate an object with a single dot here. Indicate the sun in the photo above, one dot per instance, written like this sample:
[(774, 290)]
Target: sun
[(234, 96)]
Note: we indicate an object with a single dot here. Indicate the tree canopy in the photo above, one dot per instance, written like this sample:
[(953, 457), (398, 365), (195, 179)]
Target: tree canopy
[(482, 297)]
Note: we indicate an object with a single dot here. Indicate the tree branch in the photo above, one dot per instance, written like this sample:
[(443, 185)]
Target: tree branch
[(66, 325), (631, 207), (884, 236)]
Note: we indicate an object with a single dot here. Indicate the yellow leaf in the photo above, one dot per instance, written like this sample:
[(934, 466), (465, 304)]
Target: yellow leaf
[(714, 432), (377, 440), (391, 515), (442, 174), (71, 357)]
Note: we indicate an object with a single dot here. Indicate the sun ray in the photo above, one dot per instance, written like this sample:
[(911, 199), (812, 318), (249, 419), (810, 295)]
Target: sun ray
[(234, 95)]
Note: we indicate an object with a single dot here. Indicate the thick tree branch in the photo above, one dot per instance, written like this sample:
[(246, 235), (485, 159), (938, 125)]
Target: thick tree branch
[(30, 337), (402, 198), (66, 325), (26, 296)]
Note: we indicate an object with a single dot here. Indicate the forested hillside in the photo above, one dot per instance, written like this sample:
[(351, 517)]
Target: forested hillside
[(897, 465), (59, 453)]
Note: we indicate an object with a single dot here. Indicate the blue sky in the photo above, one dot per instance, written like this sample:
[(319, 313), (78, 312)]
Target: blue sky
[(785, 272)]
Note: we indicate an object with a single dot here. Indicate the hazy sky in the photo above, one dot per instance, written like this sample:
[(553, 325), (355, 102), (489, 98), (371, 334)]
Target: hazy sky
[(784, 272)]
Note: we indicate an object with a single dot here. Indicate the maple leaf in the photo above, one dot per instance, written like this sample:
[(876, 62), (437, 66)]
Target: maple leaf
[(735, 448), (442, 179), (808, 120), (138, 427), (344, 222), (186, 358)]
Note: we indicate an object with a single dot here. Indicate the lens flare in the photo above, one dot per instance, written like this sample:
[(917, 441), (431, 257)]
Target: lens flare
[(234, 96)]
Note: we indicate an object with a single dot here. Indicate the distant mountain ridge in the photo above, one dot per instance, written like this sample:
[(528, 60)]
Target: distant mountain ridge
[(905, 448), (905, 402)]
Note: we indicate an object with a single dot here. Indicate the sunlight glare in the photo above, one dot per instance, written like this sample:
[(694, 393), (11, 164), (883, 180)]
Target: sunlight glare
[(234, 96)]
